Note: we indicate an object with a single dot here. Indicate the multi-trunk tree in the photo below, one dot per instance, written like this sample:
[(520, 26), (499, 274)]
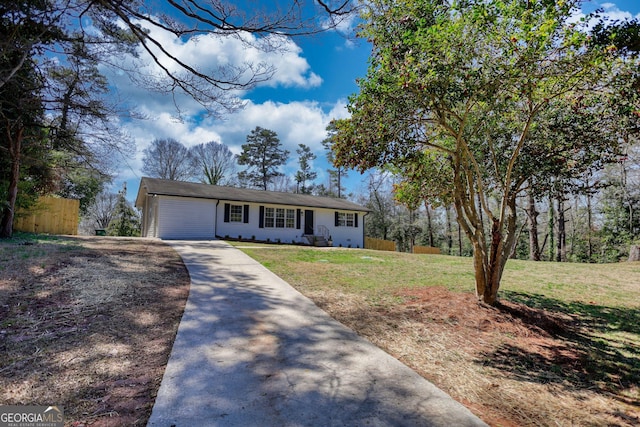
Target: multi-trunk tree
[(468, 82)]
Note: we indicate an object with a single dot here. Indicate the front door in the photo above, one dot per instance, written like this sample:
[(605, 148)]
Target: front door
[(308, 222)]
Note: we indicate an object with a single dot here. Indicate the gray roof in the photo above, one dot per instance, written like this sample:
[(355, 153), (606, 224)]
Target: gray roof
[(165, 187)]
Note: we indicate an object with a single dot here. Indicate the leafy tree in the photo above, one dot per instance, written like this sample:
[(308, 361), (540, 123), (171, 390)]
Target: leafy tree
[(305, 156), (125, 221), (167, 159), (84, 137), (575, 136), (82, 184), (213, 163), (620, 206), (424, 181), (468, 82), (263, 155)]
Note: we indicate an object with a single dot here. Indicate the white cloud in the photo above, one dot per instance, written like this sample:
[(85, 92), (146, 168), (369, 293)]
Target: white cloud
[(612, 11), (295, 123), (235, 56)]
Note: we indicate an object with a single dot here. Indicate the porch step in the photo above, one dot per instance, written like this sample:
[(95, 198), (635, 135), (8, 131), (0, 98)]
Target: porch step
[(318, 241)]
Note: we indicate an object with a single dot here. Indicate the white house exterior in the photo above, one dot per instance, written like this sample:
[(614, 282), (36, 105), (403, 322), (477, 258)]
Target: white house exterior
[(188, 210)]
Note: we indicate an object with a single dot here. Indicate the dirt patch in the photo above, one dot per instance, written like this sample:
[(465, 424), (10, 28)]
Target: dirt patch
[(88, 324), (512, 366)]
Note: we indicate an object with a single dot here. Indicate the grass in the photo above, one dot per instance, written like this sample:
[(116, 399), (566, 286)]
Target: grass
[(564, 349), (365, 270), (358, 269)]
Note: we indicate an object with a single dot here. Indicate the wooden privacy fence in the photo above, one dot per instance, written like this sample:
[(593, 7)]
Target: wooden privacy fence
[(379, 244), (49, 215), (426, 250), (388, 245)]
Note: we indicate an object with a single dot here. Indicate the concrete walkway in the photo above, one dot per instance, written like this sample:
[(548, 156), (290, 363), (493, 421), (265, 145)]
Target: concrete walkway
[(252, 351)]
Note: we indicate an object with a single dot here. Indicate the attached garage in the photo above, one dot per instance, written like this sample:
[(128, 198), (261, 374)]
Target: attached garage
[(182, 218)]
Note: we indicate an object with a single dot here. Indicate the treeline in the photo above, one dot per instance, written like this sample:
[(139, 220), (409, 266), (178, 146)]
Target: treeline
[(259, 165), (599, 225)]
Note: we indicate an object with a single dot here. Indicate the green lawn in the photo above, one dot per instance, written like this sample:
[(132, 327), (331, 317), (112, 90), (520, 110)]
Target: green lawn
[(366, 271)]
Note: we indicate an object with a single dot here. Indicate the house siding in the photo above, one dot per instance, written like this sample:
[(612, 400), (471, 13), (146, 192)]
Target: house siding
[(185, 218), (252, 228), (149, 217), (342, 236)]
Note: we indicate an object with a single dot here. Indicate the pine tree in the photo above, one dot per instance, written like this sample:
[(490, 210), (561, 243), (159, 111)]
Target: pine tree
[(263, 155), (126, 221)]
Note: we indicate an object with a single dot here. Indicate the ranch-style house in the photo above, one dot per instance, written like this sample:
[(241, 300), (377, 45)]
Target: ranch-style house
[(189, 210)]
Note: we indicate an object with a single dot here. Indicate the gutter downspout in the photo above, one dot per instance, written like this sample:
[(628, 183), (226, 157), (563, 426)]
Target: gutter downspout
[(215, 222)]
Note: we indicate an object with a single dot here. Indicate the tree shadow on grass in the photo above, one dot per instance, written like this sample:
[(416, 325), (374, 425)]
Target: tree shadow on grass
[(591, 346)]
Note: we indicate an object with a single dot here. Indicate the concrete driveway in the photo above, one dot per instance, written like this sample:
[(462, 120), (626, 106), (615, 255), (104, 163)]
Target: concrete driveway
[(252, 351)]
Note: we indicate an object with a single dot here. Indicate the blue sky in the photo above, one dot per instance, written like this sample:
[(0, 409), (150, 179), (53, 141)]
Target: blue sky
[(310, 87)]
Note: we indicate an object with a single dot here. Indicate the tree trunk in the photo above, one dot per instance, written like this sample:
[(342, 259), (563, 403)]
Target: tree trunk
[(449, 230), (490, 295), (551, 229), (429, 225), (534, 244), (634, 253), (589, 229), (412, 236), (8, 213), (562, 234), (490, 252), (489, 267)]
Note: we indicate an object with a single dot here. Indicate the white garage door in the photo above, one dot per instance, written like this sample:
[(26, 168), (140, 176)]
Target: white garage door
[(184, 218)]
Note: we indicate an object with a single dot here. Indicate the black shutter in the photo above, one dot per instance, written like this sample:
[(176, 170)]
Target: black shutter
[(337, 224), (261, 219), (246, 214), (298, 216), (227, 211), (355, 219)]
